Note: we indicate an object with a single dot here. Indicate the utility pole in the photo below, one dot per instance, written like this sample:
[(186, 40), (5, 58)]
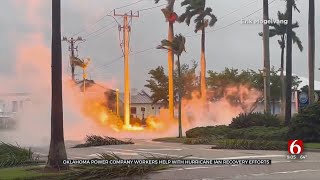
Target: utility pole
[(117, 102), (266, 58), (126, 33), (72, 47)]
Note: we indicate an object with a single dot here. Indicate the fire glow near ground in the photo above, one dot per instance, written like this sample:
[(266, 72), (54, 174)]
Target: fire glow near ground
[(194, 113)]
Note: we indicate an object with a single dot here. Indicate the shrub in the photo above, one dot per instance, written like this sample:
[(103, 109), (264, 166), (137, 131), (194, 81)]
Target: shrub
[(306, 124), (209, 131), (255, 119), (11, 155), (202, 140), (250, 144), (94, 140), (260, 133)]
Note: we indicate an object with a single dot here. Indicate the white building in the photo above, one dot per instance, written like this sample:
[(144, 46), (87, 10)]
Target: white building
[(11, 104), (141, 104)]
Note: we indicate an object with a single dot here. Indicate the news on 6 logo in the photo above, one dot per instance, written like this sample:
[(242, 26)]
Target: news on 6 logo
[(295, 150), (295, 146)]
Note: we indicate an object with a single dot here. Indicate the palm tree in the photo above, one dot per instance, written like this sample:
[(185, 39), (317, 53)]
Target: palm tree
[(280, 29), (57, 151), (193, 8), (170, 16), (287, 116), (177, 46), (311, 50)]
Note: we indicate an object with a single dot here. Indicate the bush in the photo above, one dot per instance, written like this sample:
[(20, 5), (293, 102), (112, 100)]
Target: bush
[(250, 144), (255, 119), (203, 140), (306, 125), (11, 155), (94, 140), (260, 133), (209, 131)]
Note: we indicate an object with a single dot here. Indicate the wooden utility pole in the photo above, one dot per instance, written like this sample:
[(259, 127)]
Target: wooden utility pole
[(266, 58), (72, 47), (117, 102), (126, 33)]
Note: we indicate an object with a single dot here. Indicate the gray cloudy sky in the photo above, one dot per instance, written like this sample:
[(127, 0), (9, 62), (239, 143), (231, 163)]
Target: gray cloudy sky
[(237, 46)]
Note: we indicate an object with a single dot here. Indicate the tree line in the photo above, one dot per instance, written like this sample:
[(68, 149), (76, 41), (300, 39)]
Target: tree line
[(203, 18)]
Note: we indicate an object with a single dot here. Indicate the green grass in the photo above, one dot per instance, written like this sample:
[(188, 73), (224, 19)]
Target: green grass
[(19, 173), (172, 139), (312, 145)]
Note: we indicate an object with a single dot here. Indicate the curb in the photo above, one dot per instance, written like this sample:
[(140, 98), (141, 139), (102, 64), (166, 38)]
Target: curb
[(311, 150)]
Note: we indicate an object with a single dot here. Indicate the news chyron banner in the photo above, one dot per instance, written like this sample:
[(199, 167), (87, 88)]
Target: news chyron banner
[(168, 162), (303, 98)]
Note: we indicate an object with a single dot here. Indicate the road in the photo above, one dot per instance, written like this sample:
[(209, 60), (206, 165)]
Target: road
[(281, 168)]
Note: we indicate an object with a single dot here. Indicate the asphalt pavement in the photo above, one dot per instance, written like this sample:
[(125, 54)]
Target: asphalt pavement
[(281, 167)]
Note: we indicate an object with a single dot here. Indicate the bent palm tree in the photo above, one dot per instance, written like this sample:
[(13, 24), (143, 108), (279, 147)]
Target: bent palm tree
[(57, 151), (170, 16), (193, 8), (177, 46), (280, 29)]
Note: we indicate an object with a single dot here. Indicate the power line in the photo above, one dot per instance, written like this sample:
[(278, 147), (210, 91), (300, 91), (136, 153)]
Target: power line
[(96, 22), (236, 10), (231, 23), (153, 7)]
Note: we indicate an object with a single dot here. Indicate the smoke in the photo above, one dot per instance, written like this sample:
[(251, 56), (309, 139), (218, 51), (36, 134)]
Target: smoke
[(84, 113)]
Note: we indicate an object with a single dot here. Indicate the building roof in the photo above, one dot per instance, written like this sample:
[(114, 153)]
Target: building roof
[(140, 98), (15, 94)]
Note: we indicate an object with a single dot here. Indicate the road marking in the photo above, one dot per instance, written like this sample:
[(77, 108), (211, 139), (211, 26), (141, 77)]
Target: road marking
[(137, 151), (296, 171), (247, 157), (159, 149), (41, 154), (118, 153)]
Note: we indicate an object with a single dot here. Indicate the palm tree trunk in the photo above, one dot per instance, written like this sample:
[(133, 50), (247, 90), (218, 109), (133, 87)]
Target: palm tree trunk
[(282, 80), (289, 64), (170, 72), (311, 50), (57, 151), (180, 98), (273, 106), (203, 66), (266, 61)]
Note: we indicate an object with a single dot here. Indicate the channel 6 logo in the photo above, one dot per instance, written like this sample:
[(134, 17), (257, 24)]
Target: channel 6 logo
[(295, 146)]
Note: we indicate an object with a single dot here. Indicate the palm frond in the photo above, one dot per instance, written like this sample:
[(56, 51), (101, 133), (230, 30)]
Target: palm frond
[(297, 41)]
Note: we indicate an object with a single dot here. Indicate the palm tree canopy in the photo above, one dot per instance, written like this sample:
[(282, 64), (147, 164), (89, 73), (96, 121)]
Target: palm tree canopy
[(280, 29), (177, 45), (198, 7), (170, 4)]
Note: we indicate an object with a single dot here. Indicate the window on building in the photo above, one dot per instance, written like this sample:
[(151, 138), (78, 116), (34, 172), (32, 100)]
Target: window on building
[(143, 109), (21, 105), (152, 107), (14, 106), (133, 110)]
